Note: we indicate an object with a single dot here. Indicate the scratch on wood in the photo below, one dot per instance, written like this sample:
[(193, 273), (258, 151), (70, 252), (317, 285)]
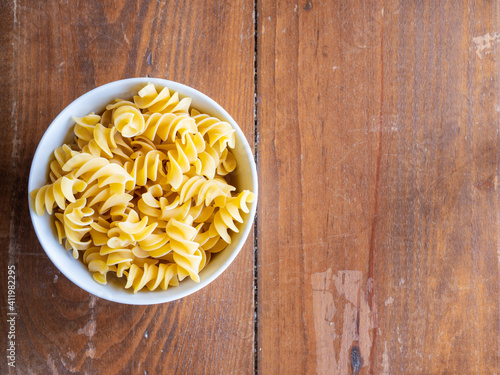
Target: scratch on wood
[(340, 195), (33, 254), (385, 361), (106, 36), (71, 354), (399, 339), (70, 366), (389, 301), (125, 35), (93, 300), (323, 241), (90, 352), (348, 283), (484, 43), (15, 11), (358, 321), (367, 324), (370, 295), (324, 311), (289, 22), (52, 365), (89, 329)]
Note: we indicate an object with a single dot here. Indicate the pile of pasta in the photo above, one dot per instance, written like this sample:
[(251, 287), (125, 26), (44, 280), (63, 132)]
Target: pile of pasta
[(142, 192)]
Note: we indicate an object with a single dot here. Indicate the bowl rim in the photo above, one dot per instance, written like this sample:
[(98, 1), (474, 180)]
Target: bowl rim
[(157, 296)]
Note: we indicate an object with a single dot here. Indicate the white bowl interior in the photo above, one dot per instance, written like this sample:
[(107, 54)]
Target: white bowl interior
[(60, 131)]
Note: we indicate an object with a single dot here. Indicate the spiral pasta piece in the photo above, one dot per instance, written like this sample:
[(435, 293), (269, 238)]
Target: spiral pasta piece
[(148, 98), (62, 155), (57, 193), (166, 127), (123, 151), (152, 276), (227, 163), (92, 168), (180, 159), (76, 221), (151, 201), (186, 251), (84, 126), (130, 231), (145, 166), (99, 231), (204, 190), (107, 199), (215, 131), (102, 143), (230, 212), (208, 162), (96, 264), (129, 121)]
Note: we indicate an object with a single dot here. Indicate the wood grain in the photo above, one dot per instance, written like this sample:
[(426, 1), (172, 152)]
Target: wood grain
[(53, 52), (378, 225), (378, 158)]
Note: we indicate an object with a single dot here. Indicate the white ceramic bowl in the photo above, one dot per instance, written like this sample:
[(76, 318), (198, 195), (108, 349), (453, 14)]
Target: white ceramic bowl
[(60, 131)]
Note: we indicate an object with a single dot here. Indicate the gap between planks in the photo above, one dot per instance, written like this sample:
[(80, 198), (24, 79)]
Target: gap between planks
[(256, 221)]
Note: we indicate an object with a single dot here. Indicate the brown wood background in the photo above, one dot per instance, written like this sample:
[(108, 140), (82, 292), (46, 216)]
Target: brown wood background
[(378, 224)]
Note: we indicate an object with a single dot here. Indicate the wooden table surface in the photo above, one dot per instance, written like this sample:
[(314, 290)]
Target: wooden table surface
[(376, 134)]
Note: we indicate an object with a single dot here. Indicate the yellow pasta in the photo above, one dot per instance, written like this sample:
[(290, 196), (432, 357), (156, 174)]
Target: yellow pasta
[(62, 155), (228, 213), (57, 194), (142, 193), (214, 130), (152, 101)]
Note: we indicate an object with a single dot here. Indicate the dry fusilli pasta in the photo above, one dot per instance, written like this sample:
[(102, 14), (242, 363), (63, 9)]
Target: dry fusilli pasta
[(142, 192)]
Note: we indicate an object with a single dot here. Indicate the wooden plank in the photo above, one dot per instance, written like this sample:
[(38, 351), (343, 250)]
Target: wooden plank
[(55, 52), (378, 158)]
